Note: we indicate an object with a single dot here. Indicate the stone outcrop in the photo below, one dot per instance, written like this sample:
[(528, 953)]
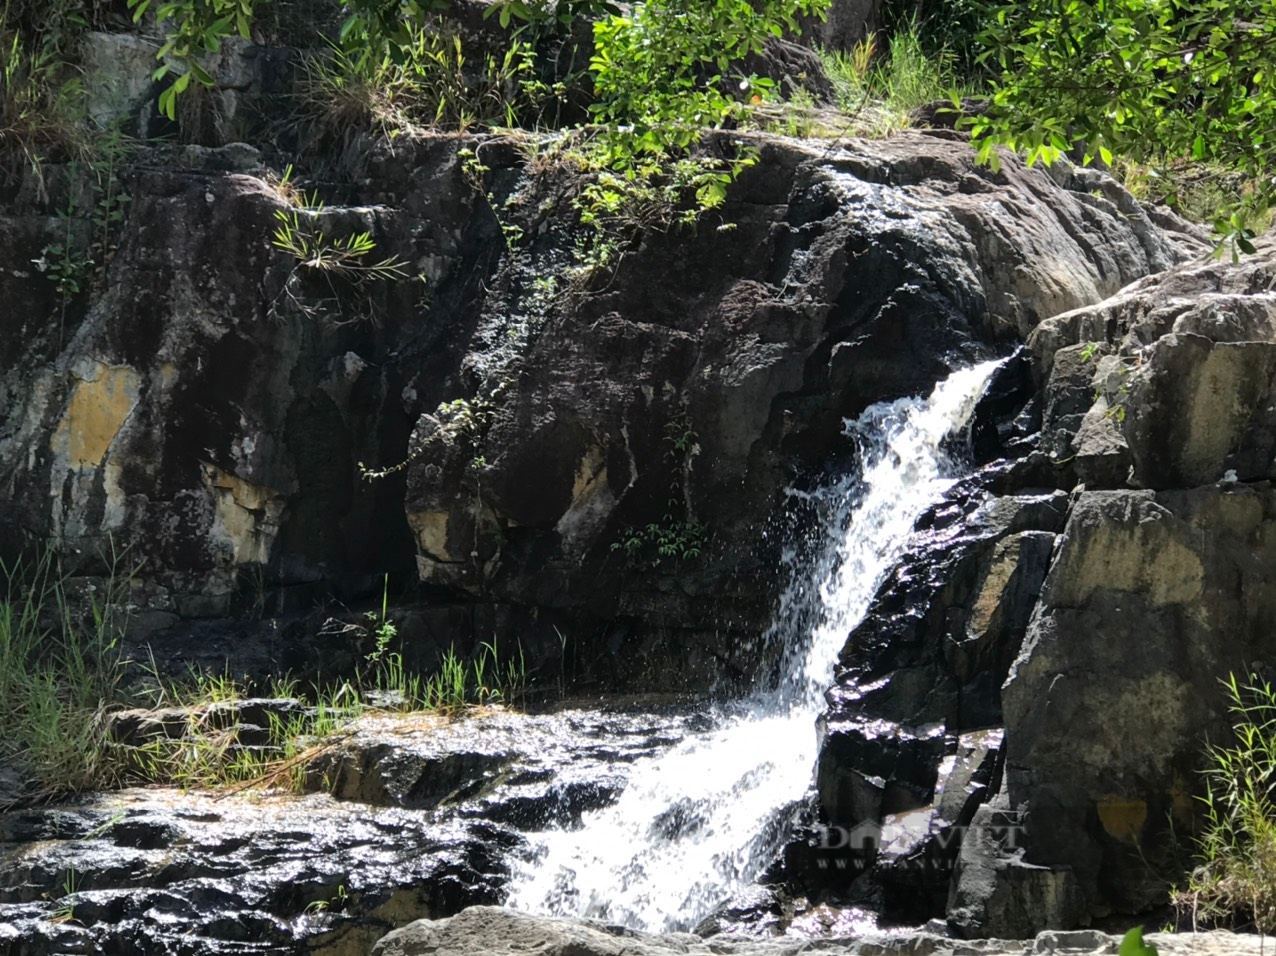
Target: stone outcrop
[(397, 819), (210, 408), (485, 929), (1155, 416), (1152, 597)]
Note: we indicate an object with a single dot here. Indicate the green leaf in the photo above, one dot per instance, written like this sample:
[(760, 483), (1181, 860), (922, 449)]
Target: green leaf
[(1132, 944), (201, 74)]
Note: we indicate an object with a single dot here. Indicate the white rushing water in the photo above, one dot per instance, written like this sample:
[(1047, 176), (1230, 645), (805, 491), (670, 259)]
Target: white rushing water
[(699, 822)]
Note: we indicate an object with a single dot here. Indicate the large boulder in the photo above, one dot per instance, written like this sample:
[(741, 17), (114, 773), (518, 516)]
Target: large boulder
[(1152, 599), (1169, 383), (680, 390)]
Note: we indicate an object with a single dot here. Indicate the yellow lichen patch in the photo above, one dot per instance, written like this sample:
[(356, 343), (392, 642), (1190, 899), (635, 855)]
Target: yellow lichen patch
[(99, 406), (591, 499), (588, 472), (247, 514), (430, 528), (1123, 817), (1001, 569)]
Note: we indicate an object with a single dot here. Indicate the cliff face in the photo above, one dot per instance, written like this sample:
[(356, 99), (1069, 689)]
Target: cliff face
[(210, 408)]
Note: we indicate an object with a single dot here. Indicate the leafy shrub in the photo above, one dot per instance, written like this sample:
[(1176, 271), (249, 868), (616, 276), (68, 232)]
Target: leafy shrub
[(1149, 82)]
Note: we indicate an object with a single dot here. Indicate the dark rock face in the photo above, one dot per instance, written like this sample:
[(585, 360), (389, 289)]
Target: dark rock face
[(211, 407), (1152, 597), (845, 279)]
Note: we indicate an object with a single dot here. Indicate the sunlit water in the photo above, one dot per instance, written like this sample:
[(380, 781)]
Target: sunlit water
[(699, 822)]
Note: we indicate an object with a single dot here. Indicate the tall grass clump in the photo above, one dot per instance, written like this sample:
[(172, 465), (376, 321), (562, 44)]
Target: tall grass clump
[(59, 670), (42, 105), (425, 79), (1235, 881), (897, 78)]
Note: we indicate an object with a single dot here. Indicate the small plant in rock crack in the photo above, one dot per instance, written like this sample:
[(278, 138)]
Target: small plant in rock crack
[(66, 264), (664, 540), (299, 235), (337, 904), (1115, 386), (71, 262), (460, 421), (475, 174), (677, 536), (387, 665), (64, 912)]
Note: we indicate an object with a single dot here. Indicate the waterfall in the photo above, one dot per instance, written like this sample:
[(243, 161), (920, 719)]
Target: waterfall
[(701, 821)]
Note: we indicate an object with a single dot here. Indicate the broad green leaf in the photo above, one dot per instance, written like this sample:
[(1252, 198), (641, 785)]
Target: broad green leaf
[(1133, 944)]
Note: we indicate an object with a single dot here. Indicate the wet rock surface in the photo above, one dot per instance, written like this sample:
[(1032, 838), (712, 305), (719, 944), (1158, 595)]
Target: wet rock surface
[(416, 818)]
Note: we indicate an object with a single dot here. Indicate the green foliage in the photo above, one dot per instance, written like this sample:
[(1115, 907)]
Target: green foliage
[(677, 536), (78, 258), (301, 235), (41, 102), (380, 28), (947, 29), (908, 76), (195, 31), (1133, 944), (669, 539), (426, 80), (61, 672), (551, 15), (1148, 80), (663, 73), (1236, 877), (59, 669)]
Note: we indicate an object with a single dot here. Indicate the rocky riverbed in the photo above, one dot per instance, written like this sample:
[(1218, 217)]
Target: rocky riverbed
[(406, 818)]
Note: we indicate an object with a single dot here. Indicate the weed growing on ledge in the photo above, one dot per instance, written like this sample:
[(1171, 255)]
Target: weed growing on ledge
[(1236, 878), (300, 235), (59, 670), (61, 675)]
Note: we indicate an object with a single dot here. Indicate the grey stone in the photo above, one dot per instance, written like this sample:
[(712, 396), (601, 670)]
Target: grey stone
[(1151, 600), (117, 77)]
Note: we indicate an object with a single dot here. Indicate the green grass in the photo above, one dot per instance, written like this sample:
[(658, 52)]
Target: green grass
[(42, 112), (1235, 881), (893, 81), (61, 673)]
